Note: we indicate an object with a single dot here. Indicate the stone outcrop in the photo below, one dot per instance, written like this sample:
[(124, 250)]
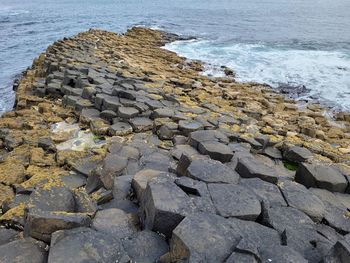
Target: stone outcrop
[(158, 163)]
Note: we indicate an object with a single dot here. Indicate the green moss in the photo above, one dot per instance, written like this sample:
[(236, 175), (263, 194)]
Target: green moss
[(290, 165)]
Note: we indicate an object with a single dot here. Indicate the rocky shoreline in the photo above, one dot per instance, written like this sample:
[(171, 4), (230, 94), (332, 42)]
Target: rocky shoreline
[(120, 151)]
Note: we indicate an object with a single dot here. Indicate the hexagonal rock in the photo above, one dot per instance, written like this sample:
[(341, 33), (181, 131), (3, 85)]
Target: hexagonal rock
[(164, 206), (108, 115), (113, 165), (145, 246), (88, 115), (206, 136), (53, 199), (321, 176), (216, 150), (141, 124), (85, 245), (249, 167), (162, 113), (189, 126), (235, 201), (269, 193), (340, 252), (26, 250), (120, 129), (203, 238), (211, 171), (141, 178), (127, 112), (114, 222), (41, 224), (297, 154)]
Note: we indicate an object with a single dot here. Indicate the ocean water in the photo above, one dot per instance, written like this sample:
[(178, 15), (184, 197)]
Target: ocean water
[(277, 42)]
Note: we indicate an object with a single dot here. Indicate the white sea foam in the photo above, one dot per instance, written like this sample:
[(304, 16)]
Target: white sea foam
[(325, 73)]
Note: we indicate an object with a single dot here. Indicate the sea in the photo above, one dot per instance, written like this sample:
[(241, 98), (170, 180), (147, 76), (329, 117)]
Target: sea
[(281, 43)]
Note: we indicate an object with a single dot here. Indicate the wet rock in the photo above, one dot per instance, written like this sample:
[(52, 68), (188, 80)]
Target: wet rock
[(41, 224), (299, 197), (321, 176), (164, 206), (266, 192), (23, 250), (235, 201), (141, 124), (76, 245), (145, 246), (211, 171), (297, 154), (217, 151), (249, 167), (114, 222), (203, 237), (113, 165), (120, 129)]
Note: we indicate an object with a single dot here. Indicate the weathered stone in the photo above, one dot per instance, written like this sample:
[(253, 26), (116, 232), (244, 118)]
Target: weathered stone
[(266, 192), (217, 151), (99, 127), (211, 171), (146, 247), (113, 165), (24, 250), (88, 92), (111, 103), (77, 245), (162, 113), (339, 253), (8, 235), (6, 194), (189, 126), (163, 207), (83, 203), (41, 224), (249, 167), (203, 238), (235, 201), (85, 165), (272, 152), (53, 199), (88, 115), (321, 176), (141, 124), (114, 222), (140, 180), (206, 136), (299, 197), (297, 154), (108, 115), (127, 112), (181, 149), (120, 129)]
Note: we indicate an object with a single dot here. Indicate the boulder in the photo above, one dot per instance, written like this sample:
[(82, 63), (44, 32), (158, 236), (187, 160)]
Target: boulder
[(321, 176), (250, 167), (141, 124), (114, 222), (141, 178), (113, 165), (297, 154), (145, 246), (206, 136), (164, 206), (235, 201), (120, 129), (299, 197), (85, 245), (216, 150), (23, 250), (211, 171)]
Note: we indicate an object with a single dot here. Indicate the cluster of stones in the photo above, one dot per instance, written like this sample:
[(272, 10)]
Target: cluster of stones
[(177, 181)]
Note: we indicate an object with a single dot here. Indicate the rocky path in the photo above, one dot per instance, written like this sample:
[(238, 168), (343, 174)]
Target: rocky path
[(180, 167)]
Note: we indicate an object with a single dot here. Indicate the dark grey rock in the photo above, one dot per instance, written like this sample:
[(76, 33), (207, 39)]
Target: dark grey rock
[(272, 152), (86, 165), (111, 103), (24, 250), (206, 136), (120, 129), (88, 92), (146, 247), (113, 165), (127, 112), (141, 124), (281, 254), (8, 235), (164, 206), (299, 197), (76, 245), (141, 178), (108, 115), (340, 253), (249, 167), (181, 149), (297, 154), (88, 115), (216, 150), (242, 258), (162, 113), (41, 224), (83, 203), (267, 192), (235, 201), (240, 147), (53, 199), (203, 238), (189, 126), (114, 222), (321, 176)]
